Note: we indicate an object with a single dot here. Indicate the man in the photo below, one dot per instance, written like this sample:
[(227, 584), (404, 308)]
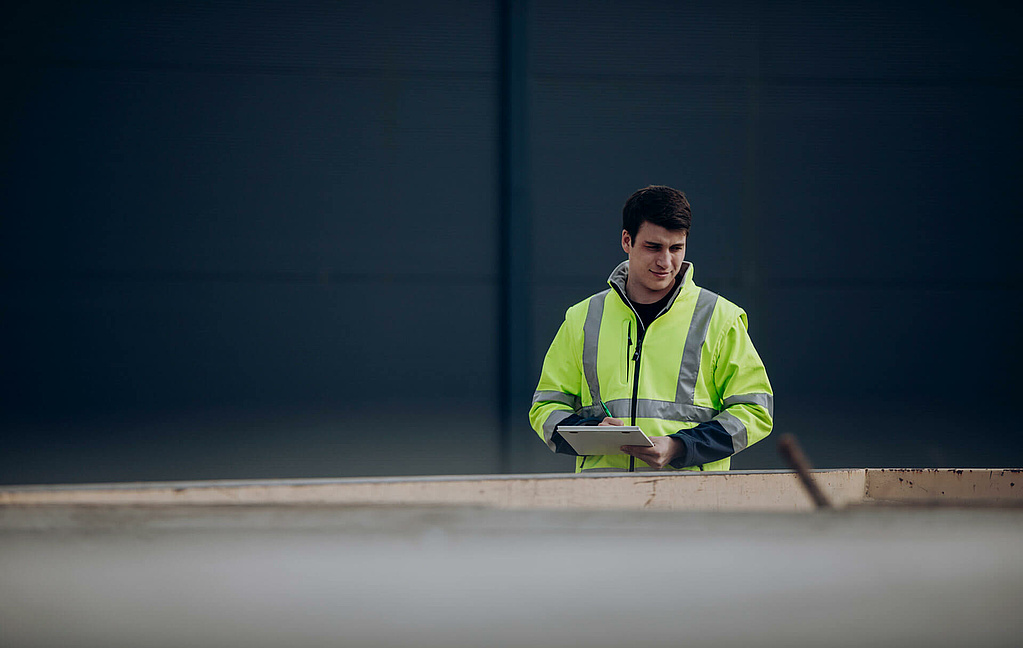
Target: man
[(656, 350)]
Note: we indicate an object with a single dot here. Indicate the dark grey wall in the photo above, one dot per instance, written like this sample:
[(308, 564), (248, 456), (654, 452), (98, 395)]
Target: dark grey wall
[(261, 239)]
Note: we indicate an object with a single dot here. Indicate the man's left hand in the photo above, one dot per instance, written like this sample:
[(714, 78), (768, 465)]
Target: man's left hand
[(664, 450)]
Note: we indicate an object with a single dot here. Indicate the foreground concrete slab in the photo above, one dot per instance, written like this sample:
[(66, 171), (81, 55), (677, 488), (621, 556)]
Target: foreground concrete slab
[(465, 576)]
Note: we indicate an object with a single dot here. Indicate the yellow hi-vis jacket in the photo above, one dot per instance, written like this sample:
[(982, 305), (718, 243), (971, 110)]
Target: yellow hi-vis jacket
[(695, 365)]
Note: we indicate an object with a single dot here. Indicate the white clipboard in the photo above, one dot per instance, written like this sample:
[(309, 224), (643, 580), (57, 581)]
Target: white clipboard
[(603, 439)]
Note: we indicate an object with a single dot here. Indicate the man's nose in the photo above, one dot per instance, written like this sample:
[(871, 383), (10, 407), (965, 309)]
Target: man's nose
[(664, 260)]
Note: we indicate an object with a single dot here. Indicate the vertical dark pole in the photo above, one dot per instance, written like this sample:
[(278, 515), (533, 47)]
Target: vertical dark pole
[(514, 237), (751, 193)]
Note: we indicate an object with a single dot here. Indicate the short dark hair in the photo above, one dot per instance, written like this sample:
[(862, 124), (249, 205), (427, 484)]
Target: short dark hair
[(659, 205)]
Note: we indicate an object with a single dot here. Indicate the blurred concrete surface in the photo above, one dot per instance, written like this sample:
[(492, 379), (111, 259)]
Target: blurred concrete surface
[(466, 576)]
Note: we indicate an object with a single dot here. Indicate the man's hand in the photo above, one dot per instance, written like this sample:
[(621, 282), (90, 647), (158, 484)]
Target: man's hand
[(664, 450), (612, 421)]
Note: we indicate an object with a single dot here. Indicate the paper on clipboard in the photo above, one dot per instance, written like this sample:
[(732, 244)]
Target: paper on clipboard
[(603, 439)]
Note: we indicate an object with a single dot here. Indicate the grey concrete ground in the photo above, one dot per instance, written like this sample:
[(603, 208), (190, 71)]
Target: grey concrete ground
[(452, 577)]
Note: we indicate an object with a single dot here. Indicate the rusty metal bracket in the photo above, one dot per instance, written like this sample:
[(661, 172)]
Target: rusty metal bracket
[(793, 455)]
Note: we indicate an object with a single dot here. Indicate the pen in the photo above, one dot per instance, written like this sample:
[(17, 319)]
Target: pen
[(606, 410)]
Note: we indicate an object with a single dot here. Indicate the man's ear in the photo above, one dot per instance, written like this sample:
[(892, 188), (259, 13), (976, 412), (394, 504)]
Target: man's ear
[(626, 241)]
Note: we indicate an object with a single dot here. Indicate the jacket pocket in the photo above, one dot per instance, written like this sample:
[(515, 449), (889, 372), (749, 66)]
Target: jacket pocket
[(627, 340)]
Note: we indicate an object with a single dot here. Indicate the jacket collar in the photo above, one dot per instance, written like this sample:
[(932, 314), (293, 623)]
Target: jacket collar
[(620, 275)]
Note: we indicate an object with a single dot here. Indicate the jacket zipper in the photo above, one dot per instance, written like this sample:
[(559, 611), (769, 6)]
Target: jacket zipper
[(635, 386), (635, 377), (640, 331)]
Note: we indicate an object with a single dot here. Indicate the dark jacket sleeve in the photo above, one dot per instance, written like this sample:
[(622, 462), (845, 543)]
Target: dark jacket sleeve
[(705, 443), (564, 447)]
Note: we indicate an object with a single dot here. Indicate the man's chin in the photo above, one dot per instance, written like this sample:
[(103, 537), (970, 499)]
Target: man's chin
[(655, 287)]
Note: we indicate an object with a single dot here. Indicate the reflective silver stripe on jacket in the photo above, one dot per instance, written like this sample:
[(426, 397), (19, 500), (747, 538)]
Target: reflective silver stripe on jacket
[(735, 429), (555, 417), (692, 353), (664, 410), (591, 339), (762, 399), (558, 397)]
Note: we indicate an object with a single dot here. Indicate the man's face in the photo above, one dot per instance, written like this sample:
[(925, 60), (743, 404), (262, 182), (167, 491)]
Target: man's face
[(655, 257)]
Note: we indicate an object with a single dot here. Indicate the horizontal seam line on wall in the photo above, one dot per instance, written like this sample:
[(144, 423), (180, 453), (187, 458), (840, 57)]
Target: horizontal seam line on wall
[(825, 284), (787, 81), (268, 70), (321, 278)]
